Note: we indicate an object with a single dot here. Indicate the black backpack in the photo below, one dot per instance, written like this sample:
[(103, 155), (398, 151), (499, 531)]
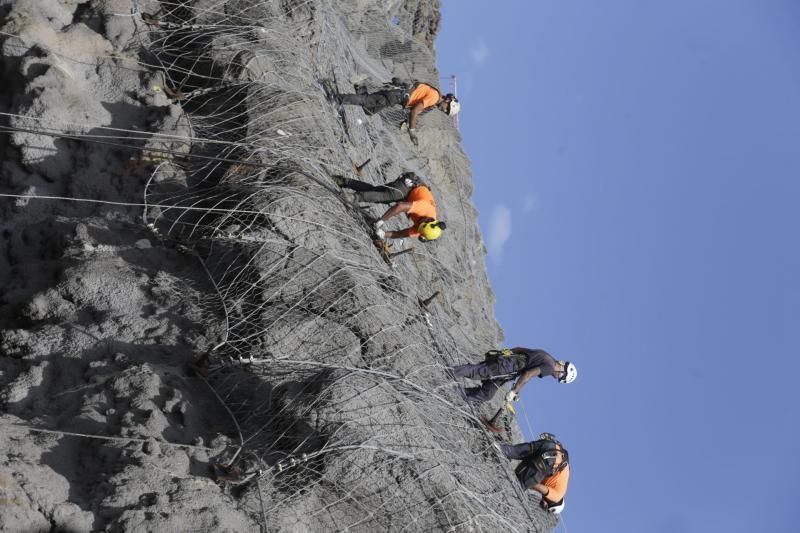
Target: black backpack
[(541, 462)]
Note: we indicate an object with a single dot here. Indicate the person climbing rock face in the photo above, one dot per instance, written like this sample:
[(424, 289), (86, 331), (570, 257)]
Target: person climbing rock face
[(501, 366), (415, 96), (413, 198), (543, 467)]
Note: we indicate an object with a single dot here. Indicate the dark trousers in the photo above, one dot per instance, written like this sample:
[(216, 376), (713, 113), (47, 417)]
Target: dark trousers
[(394, 191), (374, 102), (527, 472), (492, 377), (516, 451)]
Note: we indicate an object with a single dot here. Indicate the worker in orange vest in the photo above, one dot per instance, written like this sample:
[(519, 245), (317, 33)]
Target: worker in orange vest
[(543, 467), (412, 197), (414, 96)]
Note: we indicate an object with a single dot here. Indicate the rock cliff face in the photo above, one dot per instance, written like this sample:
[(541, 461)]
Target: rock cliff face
[(198, 333)]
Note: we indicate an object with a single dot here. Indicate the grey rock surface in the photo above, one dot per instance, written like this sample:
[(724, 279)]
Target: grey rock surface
[(197, 332)]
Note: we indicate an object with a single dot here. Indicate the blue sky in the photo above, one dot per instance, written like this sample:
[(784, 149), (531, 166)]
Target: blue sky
[(637, 173)]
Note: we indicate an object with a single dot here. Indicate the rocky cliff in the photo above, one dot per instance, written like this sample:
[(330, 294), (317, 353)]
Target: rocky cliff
[(198, 333)]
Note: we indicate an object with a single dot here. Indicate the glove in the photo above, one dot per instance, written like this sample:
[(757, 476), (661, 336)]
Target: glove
[(512, 397), (412, 134), (378, 231)]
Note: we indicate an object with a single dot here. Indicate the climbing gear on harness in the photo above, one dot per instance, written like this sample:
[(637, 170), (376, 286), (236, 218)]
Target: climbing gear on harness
[(512, 397), (550, 451), (407, 86), (493, 358), (492, 355), (431, 230), (570, 372)]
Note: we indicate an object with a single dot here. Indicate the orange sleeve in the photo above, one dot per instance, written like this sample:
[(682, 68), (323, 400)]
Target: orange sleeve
[(557, 485)]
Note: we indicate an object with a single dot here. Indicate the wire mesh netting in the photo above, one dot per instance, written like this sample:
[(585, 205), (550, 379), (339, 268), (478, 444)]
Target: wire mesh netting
[(334, 377)]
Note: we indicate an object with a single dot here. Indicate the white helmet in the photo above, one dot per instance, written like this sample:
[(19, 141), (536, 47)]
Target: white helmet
[(454, 107), (570, 373)]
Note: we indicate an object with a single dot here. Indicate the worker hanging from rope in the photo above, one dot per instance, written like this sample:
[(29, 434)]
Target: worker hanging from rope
[(414, 96), (543, 467), (413, 198), (501, 366)]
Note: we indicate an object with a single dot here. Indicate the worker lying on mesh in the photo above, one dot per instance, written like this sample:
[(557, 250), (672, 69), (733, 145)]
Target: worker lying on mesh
[(501, 366), (413, 198), (543, 467), (414, 96)]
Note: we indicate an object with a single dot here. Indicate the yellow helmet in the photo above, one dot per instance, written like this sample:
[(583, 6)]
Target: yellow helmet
[(431, 230)]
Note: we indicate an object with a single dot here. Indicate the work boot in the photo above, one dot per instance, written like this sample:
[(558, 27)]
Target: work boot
[(351, 197), (459, 390)]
